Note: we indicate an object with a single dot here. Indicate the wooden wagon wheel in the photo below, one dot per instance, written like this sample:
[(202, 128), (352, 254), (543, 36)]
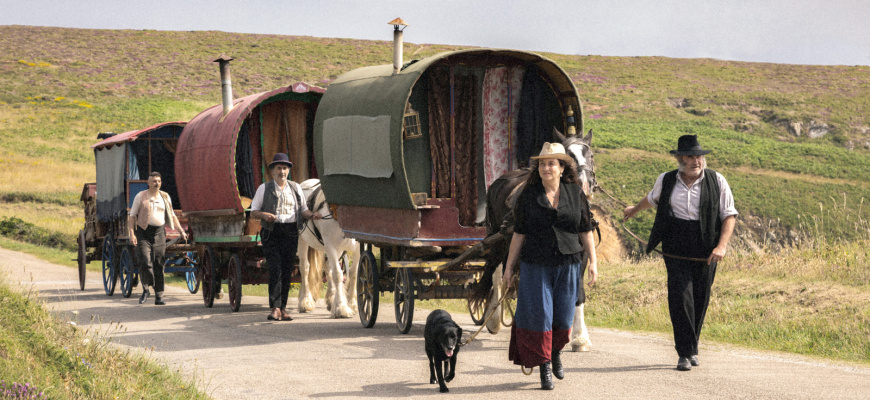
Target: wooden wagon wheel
[(82, 258), (234, 281), (208, 276), (127, 271), (403, 299), (110, 277), (477, 310), (367, 290)]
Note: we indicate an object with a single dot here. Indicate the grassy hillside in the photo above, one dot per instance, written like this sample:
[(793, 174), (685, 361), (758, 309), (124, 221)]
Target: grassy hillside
[(62, 86), (797, 279)]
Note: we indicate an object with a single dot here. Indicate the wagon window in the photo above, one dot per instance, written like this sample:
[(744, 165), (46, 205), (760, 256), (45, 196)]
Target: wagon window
[(411, 123)]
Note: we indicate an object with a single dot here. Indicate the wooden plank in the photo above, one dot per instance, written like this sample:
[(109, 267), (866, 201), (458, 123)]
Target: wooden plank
[(210, 213)]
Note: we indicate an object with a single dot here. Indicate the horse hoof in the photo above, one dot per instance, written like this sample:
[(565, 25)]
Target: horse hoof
[(343, 312), (579, 347), (306, 305)]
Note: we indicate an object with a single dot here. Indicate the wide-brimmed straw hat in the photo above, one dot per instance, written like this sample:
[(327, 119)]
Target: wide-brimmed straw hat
[(280, 158), (687, 145), (554, 150)]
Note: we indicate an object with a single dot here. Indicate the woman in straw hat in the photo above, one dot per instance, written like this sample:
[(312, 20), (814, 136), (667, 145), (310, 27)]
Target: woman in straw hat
[(552, 234)]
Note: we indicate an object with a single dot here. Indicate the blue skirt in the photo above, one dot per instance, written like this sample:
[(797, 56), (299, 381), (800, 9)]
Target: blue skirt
[(546, 299)]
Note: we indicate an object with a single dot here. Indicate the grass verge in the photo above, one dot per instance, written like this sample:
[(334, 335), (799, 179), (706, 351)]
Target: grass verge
[(64, 362)]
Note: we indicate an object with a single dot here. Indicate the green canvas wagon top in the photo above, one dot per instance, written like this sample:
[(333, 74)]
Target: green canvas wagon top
[(405, 158)]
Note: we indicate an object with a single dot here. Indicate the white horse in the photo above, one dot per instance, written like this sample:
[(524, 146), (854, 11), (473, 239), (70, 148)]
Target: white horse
[(325, 235), (500, 200)]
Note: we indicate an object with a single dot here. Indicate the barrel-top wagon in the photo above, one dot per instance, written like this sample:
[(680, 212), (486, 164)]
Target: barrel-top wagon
[(222, 158), (123, 163), (406, 152)]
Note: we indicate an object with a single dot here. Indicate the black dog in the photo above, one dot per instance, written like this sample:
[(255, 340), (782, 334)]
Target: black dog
[(442, 344)]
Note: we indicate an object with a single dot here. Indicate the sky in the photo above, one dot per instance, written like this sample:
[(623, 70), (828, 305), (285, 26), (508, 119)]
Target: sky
[(816, 32)]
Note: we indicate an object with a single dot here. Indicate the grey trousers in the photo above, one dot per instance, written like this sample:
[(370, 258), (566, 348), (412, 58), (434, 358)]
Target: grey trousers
[(151, 251)]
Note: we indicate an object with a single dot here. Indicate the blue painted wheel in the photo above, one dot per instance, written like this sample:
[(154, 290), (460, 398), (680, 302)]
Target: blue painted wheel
[(127, 269), (190, 276), (110, 277)]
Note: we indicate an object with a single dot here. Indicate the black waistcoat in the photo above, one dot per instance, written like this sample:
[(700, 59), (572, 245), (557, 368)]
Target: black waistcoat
[(708, 211), (270, 205)]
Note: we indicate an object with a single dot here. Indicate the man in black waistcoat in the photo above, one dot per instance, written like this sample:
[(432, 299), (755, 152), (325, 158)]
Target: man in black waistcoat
[(280, 206), (695, 218)]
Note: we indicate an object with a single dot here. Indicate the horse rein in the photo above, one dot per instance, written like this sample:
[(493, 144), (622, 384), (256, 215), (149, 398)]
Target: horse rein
[(645, 243), (313, 228)]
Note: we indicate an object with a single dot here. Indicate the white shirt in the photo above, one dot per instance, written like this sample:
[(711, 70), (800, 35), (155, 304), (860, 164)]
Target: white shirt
[(686, 200), (157, 217), (286, 210)]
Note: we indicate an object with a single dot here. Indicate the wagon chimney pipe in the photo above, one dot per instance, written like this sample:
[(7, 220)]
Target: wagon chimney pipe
[(398, 42), (226, 82)]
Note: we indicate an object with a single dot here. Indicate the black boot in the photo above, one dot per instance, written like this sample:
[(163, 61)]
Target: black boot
[(546, 376), (558, 371), (158, 301), (144, 297)]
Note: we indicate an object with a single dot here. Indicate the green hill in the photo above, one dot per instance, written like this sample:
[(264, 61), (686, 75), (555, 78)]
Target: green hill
[(793, 140)]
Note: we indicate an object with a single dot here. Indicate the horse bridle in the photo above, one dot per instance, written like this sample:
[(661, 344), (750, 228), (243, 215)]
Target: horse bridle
[(586, 165)]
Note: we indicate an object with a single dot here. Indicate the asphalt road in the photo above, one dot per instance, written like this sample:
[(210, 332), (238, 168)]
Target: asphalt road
[(242, 356)]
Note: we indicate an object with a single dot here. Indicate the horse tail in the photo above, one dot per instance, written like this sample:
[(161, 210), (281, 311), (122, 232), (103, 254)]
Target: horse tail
[(315, 272)]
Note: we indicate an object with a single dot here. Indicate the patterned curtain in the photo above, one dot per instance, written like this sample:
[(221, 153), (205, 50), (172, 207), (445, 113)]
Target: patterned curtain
[(501, 104), (467, 99), (439, 131)]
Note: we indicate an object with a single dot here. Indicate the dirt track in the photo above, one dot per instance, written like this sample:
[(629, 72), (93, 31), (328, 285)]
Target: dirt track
[(242, 356)]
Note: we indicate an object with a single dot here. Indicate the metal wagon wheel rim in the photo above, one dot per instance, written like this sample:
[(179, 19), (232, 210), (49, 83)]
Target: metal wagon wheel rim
[(82, 258), (404, 299), (127, 271), (234, 282), (367, 291), (109, 276), (207, 276)]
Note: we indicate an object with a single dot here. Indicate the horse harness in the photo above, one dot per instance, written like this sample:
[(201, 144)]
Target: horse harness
[(310, 225)]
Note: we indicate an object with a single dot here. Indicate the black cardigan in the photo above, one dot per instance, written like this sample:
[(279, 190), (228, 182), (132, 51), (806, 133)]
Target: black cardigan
[(552, 235)]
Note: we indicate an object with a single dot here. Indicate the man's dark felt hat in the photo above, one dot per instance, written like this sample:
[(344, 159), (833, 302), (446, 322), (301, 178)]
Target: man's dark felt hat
[(688, 145), (280, 158)]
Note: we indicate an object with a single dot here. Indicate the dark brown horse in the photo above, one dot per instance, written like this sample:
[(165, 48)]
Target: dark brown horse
[(500, 198)]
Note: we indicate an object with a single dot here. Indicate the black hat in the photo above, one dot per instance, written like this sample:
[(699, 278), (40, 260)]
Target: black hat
[(281, 158), (688, 145)]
